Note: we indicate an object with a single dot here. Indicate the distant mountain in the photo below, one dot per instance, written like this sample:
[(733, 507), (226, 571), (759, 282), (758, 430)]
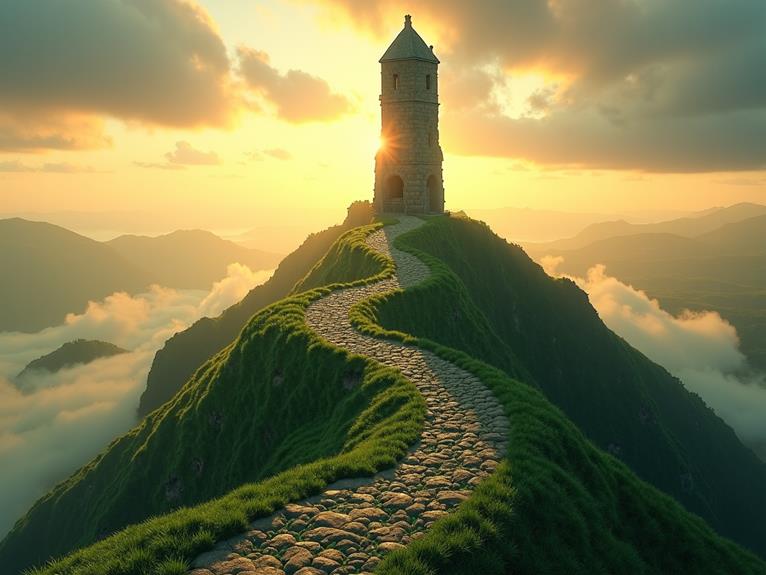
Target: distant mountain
[(49, 271), (689, 227), (189, 258), (533, 225), (77, 352), (745, 237), (275, 398), (722, 270)]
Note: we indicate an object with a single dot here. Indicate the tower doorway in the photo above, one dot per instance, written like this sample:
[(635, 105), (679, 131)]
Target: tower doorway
[(435, 201), (394, 188)]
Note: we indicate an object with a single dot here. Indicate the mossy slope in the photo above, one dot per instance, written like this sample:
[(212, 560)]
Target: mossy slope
[(272, 400), (556, 504), (489, 300)]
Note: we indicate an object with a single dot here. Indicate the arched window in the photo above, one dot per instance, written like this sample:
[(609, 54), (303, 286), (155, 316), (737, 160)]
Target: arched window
[(396, 81), (428, 82)]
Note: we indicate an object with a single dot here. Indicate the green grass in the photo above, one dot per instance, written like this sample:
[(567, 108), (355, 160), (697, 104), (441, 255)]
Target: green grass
[(487, 299), (556, 504), (307, 429)]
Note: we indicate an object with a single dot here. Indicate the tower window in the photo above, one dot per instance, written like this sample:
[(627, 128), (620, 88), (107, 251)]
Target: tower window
[(428, 82), (396, 81)]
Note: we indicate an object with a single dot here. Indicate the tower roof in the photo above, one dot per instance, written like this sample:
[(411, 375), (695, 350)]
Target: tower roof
[(408, 45)]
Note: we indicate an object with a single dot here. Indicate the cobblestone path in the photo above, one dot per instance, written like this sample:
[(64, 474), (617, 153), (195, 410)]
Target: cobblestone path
[(351, 525)]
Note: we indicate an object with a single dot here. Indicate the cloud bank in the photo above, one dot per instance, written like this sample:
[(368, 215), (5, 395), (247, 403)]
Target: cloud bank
[(66, 64), (655, 86), (75, 413), (701, 349), (297, 96)]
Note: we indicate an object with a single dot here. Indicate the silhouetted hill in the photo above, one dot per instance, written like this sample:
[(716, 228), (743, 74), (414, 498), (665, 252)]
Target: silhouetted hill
[(77, 352), (49, 271), (275, 398), (747, 237), (187, 350), (189, 258), (686, 227)]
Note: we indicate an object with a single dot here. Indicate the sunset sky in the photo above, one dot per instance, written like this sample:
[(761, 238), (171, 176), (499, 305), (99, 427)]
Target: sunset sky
[(233, 114)]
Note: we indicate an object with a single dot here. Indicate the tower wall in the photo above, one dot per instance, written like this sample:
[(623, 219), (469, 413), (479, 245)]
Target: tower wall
[(410, 133)]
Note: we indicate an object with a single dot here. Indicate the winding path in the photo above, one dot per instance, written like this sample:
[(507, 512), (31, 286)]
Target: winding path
[(353, 523)]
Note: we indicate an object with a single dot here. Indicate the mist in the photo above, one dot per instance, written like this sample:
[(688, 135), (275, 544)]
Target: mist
[(700, 348), (72, 415)]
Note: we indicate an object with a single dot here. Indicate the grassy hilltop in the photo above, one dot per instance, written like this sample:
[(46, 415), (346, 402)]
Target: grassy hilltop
[(268, 420)]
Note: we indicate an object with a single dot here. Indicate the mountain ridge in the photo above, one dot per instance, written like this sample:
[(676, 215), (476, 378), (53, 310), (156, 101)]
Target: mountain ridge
[(555, 492), (564, 480), (686, 226), (52, 271)]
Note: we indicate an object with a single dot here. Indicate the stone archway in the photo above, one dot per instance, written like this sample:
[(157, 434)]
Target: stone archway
[(394, 188), (435, 200)]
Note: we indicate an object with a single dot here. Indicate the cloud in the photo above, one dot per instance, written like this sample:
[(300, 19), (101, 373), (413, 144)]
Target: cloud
[(15, 166), (653, 86), (700, 348), (278, 153), (73, 414), (39, 130), (238, 281), (296, 95), (67, 64), (185, 154), (159, 165)]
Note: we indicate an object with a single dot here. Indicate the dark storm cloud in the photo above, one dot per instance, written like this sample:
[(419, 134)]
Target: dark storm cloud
[(296, 95), (673, 85), (154, 61)]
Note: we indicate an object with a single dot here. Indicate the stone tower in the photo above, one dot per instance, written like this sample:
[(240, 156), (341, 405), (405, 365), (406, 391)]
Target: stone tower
[(408, 165)]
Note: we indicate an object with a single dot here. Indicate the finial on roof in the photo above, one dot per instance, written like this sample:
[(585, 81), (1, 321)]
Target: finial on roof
[(408, 21)]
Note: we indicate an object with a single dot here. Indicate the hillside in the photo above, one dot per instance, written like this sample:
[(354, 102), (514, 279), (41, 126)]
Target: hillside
[(49, 271), (190, 259), (279, 396), (622, 401), (723, 270), (689, 227), (187, 350), (77, 352)]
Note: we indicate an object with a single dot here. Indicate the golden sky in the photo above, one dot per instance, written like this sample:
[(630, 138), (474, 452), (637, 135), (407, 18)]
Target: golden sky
[(236, 114)]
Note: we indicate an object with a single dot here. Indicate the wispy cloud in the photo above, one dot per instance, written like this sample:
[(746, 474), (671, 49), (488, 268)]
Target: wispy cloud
[(73, 414), (15, 166)]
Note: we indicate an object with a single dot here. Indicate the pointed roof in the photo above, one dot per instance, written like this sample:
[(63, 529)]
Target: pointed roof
[(408, 45)]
